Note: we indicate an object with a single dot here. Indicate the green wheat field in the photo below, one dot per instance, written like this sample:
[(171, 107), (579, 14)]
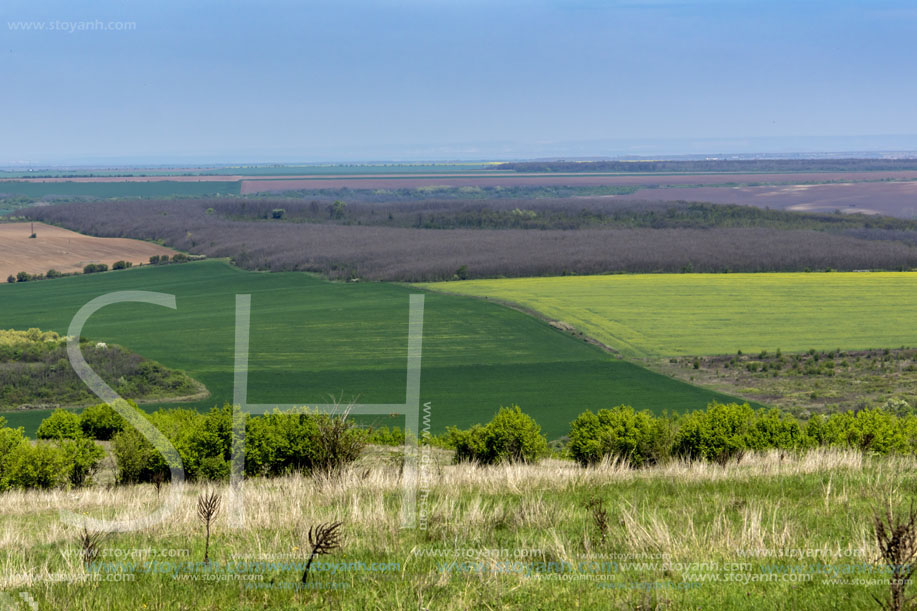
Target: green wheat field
[(313, 340)]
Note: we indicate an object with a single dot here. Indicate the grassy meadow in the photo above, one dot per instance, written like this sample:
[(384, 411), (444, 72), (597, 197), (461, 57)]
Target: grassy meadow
[(807, 382), (312, 340), (770, 531), (159, 188), (662, 315)]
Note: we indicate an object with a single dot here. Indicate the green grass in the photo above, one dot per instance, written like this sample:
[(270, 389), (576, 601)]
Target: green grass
[(772, 532), (163, 188), (312, 339), (692, 314), (266, 170)]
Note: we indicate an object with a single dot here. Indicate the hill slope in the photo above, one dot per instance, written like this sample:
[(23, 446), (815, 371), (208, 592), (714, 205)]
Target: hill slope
[(311, 339)]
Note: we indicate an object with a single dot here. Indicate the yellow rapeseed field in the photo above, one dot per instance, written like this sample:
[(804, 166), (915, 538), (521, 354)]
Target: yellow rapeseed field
[(684, 314)]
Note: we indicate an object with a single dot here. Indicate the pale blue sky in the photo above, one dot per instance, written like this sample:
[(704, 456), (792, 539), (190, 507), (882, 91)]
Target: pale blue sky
[(232, 80)]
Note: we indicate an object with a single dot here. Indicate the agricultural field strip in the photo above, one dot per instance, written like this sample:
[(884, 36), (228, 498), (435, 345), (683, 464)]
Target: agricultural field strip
[(246, 170), (696, 314), (649, 177), (255, 185), (312, 339), (64, 250)]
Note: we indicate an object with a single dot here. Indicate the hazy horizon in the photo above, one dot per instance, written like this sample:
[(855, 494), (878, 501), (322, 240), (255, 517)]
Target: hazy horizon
[(228, 82), (844, 147)]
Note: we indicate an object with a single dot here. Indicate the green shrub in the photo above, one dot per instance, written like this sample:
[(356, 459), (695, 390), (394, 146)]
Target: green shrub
[(717, 433), (284, 445), (281, 443), (620, 432), (772, 429), (40, 465), (215, 468), (337, 442), (10, 441), (61, 424), (275, 444), (469, 445), (93, 268), (83, 456), (263, 440), (511, 436), (824, 431), (138, 461), (437, 441), (725, 432), (135, 457), (384, 437), (102, 421), (188, 432), (122, 265), (23, 277), (869, 430)]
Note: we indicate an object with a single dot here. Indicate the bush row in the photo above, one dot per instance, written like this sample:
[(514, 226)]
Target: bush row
[(275, 444), (27, 277), (282, 443), (96, 422), (45, 464), (93, 268), (720, 433), (52, 273), (725, 432)]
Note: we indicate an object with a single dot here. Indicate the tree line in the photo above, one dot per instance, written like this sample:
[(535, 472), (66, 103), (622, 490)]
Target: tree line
[(282, 443), (374, 252)]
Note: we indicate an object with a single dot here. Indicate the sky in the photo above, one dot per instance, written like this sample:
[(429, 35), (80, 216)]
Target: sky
[(358, 80)]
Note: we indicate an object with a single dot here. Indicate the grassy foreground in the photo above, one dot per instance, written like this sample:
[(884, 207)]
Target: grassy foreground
[(693, 314), (312, 339), (772, 531)]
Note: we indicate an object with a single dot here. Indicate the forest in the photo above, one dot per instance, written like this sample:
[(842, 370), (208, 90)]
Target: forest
[(531, 238)]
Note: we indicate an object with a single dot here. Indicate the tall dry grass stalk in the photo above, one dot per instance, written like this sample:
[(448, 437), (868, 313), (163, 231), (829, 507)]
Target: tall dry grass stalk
[(89, 545), (208, 506), (896, 537), (323, 539)]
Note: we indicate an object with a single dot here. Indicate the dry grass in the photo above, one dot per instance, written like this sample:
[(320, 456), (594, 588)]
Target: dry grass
[(681, 510)]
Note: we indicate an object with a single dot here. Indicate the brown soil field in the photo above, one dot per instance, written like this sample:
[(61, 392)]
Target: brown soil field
[(262, 184), (897, 199), (65, 250)]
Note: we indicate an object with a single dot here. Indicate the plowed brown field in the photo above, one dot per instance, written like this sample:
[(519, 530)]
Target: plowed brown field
[(65, 250)]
